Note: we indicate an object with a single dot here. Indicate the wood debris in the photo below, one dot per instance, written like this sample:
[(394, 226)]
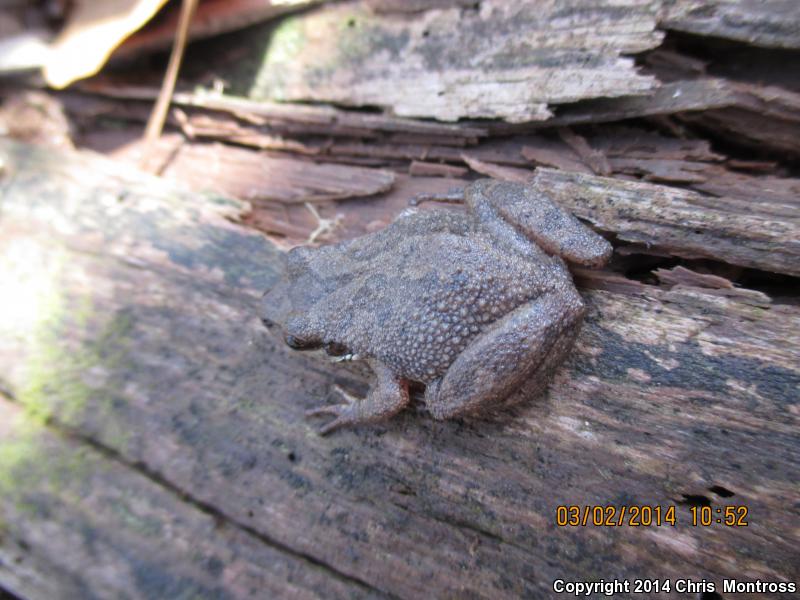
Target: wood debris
[(259, 178)]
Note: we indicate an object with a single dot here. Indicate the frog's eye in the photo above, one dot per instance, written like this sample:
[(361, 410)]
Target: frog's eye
[(335, 349)]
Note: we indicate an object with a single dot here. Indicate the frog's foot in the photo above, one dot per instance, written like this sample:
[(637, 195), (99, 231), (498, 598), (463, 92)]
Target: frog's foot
[(521, 349), (345, 413), (386, 397)]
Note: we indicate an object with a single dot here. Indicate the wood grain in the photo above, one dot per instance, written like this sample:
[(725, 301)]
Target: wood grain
[(260, 178), (79, 522), (130, 326)]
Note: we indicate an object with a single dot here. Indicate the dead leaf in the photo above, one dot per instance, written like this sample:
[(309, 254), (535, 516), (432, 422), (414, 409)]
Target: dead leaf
[(93, 31)]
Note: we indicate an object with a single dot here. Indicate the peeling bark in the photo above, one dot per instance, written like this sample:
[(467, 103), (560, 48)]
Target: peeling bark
[(444, 64)]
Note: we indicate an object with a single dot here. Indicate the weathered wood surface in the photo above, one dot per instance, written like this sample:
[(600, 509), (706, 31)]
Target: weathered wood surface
[(256, 178), (499, 60), (767, 23), (749, 213), (76, 521), (129, 327), (758, 116)]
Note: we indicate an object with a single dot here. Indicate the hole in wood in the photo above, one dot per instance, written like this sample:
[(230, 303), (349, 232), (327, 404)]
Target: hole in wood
[(720, 491), (696, 500)]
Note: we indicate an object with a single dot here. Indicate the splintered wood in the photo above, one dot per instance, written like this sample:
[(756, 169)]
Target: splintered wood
[(447, 64)]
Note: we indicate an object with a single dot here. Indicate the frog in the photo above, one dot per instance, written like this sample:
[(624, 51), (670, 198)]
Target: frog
[(475, 303)]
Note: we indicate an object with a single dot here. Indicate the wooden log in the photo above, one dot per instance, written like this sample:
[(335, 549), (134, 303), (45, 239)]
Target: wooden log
[(130, 321), (76, 521), (445, 64)]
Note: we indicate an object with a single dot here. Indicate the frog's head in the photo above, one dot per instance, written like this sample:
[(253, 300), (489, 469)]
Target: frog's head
[(287, 309)]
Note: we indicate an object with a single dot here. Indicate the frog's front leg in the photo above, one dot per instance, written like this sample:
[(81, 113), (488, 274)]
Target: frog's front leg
[(387, 396), (522, 347)]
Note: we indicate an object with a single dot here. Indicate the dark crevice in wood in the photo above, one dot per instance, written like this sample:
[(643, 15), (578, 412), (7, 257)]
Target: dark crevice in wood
[(736, 150), (7, 595), (695, 500), (720, 57), (462, 524), (782, 289)]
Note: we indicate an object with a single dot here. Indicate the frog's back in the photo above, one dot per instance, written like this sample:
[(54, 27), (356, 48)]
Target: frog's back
[(417, 296)]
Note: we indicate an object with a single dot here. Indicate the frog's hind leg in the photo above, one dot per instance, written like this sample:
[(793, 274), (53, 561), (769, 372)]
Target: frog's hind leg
[(387, 396), (530, 210), (521, 349)]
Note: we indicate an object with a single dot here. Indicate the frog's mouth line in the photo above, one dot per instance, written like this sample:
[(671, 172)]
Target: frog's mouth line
[(338, 351)]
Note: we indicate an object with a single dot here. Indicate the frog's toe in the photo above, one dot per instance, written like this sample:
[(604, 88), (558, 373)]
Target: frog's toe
[(345, 413), (322, 410), (335, 424), (342, 412), (388, 396)]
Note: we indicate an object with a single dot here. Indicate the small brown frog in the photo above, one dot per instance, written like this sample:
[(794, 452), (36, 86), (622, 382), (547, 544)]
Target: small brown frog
[(477, 305)]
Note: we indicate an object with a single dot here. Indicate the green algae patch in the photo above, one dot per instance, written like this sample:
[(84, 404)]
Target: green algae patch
[(34, 469), (53, 381), (317, 48), (285, 44), (73, 349)]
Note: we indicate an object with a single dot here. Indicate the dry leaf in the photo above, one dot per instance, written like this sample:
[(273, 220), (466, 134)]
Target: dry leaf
[(93, 31)]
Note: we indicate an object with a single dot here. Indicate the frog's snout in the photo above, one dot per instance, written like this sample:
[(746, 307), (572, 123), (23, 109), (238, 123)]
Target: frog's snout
[(293, 341)]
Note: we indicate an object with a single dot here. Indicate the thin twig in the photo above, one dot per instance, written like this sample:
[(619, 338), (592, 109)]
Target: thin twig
[(159, 115)]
